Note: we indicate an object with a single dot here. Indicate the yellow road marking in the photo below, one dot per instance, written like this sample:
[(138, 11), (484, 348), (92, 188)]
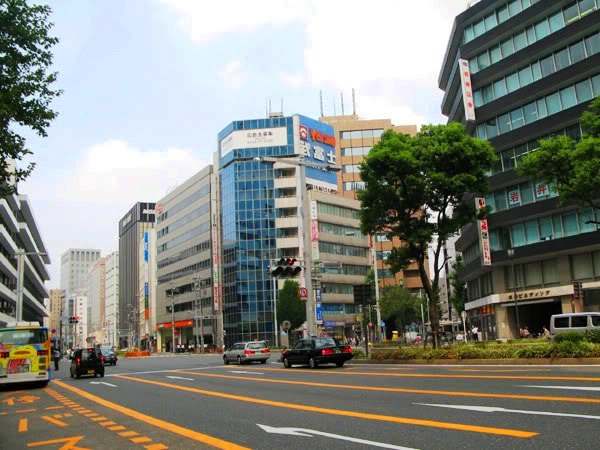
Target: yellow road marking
[(22, 425), (427, 375), (339, 412), (21, 411), (500, 370), (402, 390), (117, 428), (140, 440), (128, 433), (156, 447), (191, 434), (97, 419), (54, 407), (109, 423), (55, 421), (92, 414), (69, 443)]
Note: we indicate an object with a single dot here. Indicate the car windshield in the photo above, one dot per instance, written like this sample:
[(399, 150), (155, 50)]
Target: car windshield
[(21, 337)]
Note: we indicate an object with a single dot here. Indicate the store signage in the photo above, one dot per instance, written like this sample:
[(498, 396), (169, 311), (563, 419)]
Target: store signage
[(313, 210), (315, 230), (216, 250), (538, 293), (159, 208), (514, 197), (179, 323), (484, 235), (322, 189), (303, 132), (322, 137), (146, 246), (541, 190), (264, 137), (467, 88), (319, 313)]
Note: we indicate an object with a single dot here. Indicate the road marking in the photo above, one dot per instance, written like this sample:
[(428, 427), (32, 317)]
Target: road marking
[(243, 371), (108, 423), (22, 411), (54, 407), (338, 412), (306, 432), (116, 428), (128, 433), (140, 440), (574, 388), (60, 423), (500, 370), (516, 411), (403, 390), (103, 382), (22, 425), (180, 378), (433, 375), (69, 443), (191, 434), (156, 447), (163, 371)]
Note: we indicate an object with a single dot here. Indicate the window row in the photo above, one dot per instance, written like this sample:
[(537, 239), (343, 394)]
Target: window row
[(498, 16), (202, 247), (558, 60), (338, 211), (346, 269), (520, 194), (340, 230), (354, 185), (585, 266), (206, 264), (546, 228), (340, 308), (203, 228), (480, 287), (361, 134), (350, 168), (533, 33), (551, 104), (385, 273), (356, 151), (509, 159), (335, 288), (383, 255), (532, 275), (345, 250), (199, 194), (204, 209)]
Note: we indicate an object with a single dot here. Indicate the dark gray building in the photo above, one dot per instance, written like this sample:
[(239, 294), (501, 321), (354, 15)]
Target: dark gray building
[(534, 67), (132, 226)]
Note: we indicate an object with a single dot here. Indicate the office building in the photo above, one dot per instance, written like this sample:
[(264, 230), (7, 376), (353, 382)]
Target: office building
[(96, 300), (139, 219), (75, 264), (534, 66), (57, 297), (111, 298), (19, 233)]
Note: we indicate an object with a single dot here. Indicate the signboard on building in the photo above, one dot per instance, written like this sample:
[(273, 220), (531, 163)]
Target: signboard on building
[(319, 312), (316, 142), (214, 235), (484, 235), (467, 89), (146, 277), (262, 137)]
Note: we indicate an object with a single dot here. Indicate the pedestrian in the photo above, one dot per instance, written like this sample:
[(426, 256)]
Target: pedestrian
[(475, 333), (546, 333), (56, 358)]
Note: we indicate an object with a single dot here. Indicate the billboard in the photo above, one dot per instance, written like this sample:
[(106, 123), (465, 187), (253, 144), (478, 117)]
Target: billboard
[(316, 144), (484, 235), (262, 137)]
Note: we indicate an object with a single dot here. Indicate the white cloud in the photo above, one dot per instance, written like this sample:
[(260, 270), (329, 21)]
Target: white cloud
[(377, 107), (232, 74), (204, 20), (294, 81)]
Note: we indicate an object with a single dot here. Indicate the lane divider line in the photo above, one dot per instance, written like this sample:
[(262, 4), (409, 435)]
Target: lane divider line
[(185, 432), (338, 412), (23, 425), (405, 390)]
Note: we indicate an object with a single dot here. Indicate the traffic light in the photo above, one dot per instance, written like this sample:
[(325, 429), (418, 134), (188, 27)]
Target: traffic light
[(286, 267), (73, 319), (362, 294)]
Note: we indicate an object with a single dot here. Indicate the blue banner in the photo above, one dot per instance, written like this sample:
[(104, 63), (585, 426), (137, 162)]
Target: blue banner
[(319, 311), (146, 246)]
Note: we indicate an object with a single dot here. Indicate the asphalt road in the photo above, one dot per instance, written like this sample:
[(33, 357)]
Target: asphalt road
[(196, 402)]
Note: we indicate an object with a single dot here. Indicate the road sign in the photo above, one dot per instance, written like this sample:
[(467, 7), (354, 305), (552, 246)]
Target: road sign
[(303, 293)]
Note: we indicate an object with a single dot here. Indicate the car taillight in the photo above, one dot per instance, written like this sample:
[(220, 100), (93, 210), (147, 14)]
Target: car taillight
[(42, 352), (266, 350), (248, 352), (347, 350), (4, 354), (102, 358), (327, 351), (78, 361)]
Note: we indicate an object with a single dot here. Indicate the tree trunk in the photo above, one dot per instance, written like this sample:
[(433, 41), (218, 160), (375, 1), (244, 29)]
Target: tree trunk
[(432, 296)]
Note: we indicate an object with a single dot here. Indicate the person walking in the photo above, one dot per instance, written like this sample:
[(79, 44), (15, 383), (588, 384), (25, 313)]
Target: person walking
[(56, 358)]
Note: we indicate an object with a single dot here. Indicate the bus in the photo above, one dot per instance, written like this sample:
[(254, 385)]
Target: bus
[(25, 354)]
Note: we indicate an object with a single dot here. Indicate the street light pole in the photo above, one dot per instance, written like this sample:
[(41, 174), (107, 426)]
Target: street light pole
[(511, 253)]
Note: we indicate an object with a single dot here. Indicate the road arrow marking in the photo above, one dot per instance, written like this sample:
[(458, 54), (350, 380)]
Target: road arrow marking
[(180, 378), (490, 409), (103, 382), (69, 443), (309, 433), (243, 371), (574, 388)]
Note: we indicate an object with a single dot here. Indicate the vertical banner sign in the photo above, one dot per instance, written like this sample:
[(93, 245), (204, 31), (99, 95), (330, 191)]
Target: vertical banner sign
[(319, 308), (484, 235), (314, 231), (215, 243), (146, 258), (467, 88)]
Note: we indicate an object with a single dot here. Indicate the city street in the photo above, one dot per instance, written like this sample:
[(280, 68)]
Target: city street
[(197, 402)]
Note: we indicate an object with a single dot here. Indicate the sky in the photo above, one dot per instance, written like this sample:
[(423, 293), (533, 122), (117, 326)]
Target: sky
[(148, 84)]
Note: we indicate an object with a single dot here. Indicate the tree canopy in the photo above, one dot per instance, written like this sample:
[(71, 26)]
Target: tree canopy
[(573, 167), (25, 83), (458, 288), (399, 305), (289, 305), (415, 190)]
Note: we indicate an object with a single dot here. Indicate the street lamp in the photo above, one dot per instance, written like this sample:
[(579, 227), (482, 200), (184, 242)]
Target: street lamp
[(304, 207), (511, 253), (20, 255), (173, 290)]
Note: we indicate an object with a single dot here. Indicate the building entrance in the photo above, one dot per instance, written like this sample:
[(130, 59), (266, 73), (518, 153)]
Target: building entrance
[(535, 315)]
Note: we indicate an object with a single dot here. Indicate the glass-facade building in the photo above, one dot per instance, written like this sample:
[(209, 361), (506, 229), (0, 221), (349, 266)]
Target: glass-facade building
[(535, 67)]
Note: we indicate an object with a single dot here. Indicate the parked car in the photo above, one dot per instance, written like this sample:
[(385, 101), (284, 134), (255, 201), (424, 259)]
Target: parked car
[(317, 350), (579, 322), (246, 352), (110, 356), (87, 361)]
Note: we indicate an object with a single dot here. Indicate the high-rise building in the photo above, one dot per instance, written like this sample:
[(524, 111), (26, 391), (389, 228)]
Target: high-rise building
[(533, 66), (74, 268), (111, 298), (139, 219), (96, 300), (57, 298), (19, 233)]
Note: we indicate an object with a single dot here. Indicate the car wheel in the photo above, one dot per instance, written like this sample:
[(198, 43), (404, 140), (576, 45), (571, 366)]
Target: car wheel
[(312, 363), (95, 374), (263, 361), (340, 364), (225, 360), (239, 360), (102, 374), (286, 363)]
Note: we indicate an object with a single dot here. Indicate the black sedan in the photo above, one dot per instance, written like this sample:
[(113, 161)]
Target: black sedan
[(110, 356), (317, 350)]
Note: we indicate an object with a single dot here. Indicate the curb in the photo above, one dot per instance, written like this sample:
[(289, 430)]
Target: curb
[(484, 362)]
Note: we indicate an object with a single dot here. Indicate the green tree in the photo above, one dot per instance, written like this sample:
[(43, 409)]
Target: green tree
[(458, 288), (25, 83), (398, 304), (415, 187), (572, 167), (289, 305)]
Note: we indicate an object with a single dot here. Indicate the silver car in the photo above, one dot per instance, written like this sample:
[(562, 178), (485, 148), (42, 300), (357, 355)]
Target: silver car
[(246, 352)]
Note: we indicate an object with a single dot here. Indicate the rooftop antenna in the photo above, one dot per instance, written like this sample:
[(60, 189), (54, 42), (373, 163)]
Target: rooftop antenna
[(270, 107), (321, 101), (342, 97), (353, 103)]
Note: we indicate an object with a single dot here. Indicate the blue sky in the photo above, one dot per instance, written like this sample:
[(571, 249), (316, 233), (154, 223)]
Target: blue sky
[(148, 84)]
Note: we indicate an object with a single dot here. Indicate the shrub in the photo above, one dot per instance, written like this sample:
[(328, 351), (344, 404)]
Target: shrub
[(569, 336), (593, 336)]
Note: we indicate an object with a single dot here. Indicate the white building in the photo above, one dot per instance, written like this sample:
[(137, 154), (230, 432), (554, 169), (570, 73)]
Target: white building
[(111, 298), (74, 267), (96, 299)]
